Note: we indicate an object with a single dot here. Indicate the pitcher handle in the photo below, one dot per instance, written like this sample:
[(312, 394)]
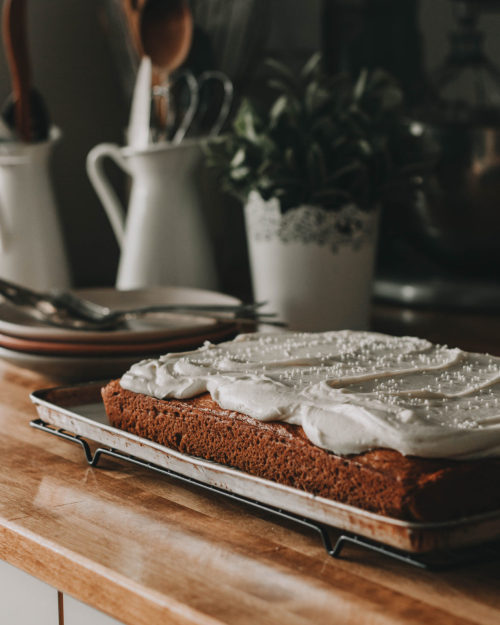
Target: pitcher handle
[(106, 193)]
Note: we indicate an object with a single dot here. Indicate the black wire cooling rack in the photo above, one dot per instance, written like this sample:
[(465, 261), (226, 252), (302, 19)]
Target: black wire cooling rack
[(435, 561)]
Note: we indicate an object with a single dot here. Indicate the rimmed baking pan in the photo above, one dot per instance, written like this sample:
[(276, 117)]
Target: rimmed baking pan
[(79, 410)]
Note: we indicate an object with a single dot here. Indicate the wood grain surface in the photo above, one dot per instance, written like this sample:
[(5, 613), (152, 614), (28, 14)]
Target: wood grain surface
[(147, 550)]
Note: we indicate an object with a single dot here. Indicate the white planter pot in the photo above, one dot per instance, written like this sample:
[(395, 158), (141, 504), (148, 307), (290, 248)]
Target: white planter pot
[(314, 275)]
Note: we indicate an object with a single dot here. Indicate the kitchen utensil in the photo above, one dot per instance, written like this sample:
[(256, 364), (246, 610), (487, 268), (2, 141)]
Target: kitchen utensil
[(68, 310), (208, 110), (138, 128), (181, 127), (195, 106), (163, 236), (24, 110), (166, 28), (150, 328), (102, 316), (211, 118)]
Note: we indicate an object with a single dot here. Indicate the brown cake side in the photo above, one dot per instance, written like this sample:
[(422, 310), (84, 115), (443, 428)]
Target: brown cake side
[(382, 481)]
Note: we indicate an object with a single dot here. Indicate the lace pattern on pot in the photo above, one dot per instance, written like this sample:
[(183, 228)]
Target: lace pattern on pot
[(310, 224)]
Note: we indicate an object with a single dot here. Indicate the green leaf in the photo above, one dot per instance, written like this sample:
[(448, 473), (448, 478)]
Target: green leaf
[(316, 97), (359, 87), (238, 158), (365, 147), (246, 121), (281, 70), (238, 173), (311, 67), (278, 108)]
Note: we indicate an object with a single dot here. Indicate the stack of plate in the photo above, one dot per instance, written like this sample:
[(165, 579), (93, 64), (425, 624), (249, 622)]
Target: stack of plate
[(82, 355)]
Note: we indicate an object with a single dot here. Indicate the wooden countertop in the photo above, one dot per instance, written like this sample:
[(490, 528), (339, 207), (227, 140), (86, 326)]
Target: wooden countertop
[(147, 550)]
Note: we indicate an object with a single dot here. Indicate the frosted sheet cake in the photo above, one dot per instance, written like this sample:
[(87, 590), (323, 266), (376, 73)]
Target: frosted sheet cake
[(394, 425)]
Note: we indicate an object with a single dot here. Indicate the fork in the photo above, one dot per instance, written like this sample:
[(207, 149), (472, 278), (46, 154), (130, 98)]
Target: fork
[(67, 310)]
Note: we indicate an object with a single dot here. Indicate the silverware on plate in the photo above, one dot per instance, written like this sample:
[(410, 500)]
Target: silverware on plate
[(67, 310)]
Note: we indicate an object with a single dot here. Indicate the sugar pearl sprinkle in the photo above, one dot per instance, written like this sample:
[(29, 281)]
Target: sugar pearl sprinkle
[(350, 391)]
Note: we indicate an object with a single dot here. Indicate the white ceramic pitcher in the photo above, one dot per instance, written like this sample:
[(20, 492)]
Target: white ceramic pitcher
[(31, 246), (162, 236)]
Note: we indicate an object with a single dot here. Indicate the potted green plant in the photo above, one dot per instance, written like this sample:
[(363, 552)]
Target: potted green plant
[(311, 170)]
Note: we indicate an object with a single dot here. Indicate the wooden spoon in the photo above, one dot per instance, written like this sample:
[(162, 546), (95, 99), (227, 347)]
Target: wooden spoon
[(25, 109), (166, 29), (14, 37)]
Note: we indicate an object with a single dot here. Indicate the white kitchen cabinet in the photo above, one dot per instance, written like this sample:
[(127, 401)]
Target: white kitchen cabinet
[(25, 600), (78, 613)]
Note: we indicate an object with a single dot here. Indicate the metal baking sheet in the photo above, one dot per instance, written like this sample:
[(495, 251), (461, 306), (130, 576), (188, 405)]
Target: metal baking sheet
[(79, 410)]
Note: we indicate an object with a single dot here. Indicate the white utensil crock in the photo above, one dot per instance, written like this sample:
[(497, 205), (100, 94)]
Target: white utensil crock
[(31, 245), (313, 272), (162, 236)]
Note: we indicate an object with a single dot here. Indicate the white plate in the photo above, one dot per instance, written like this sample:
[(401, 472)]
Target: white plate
[(155, 326), (70, 368), (78, 367)]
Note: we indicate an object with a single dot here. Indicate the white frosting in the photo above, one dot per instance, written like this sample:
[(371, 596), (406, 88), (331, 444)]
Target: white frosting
[(350, 391)]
